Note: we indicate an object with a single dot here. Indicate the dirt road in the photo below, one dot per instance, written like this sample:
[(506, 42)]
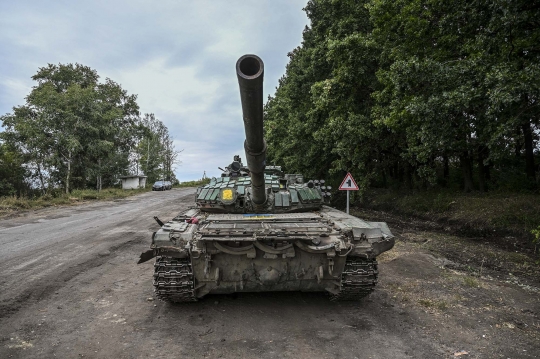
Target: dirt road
[(70, 288)]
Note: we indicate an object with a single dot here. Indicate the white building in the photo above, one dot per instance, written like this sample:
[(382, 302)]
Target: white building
[(133, 182)]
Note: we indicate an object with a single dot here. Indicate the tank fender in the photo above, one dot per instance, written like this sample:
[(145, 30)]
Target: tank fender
[(171, 251), (383, 246), (162, 251), (371, 250), (383, 226), (370, 242), (367, 234), (146, 256)]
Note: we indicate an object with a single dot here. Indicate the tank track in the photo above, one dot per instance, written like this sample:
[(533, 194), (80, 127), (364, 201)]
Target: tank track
[(173, 280), (358, 279)]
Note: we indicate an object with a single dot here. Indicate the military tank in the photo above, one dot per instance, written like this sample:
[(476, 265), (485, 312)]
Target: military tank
[(256, 229)]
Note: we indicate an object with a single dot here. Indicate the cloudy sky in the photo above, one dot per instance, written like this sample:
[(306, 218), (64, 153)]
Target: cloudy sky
[(178, 56)]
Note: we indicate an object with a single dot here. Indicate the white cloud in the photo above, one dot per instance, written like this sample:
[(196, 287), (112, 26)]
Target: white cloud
[(177, 56), (198, 159), (14, 90), (163, 89)]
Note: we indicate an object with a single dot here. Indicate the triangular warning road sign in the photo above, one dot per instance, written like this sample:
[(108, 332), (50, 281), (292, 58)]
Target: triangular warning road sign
[(348, 184)]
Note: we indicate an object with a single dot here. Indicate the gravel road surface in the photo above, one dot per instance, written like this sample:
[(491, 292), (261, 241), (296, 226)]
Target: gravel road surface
[(71, 288)]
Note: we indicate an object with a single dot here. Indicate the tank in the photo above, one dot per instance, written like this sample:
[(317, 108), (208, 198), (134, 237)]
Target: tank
[(256, 229)]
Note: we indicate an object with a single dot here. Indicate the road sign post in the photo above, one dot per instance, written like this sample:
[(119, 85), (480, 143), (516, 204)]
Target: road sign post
[(348, 184)]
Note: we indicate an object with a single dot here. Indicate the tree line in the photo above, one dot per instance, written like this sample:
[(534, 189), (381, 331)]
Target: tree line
[(412, 94), (76, 132)]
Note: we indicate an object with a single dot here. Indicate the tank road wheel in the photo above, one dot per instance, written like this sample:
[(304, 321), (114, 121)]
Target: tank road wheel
[(358, 279), (173, 280)]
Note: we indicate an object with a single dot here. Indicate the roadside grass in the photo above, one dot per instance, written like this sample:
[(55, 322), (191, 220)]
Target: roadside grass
[(470, 282), (473, 257), (474, 254), (13, 204), (453, 287), (196, 183), (436, 304), (468, 268), (476, 213)]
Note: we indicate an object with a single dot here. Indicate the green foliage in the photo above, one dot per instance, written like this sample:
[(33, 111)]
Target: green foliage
[(319, 122), (196, 183), (154, 152), (471, 281), (411, 92), (536, 240), (450, 72), (433, 304), (72, 128), (10, 204), (478, 213), (536, 234), (12, 171), (76, 132)]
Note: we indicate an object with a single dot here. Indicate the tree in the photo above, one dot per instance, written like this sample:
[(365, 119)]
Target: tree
[(12, 171), (510, 45), (458, 79), (321, 111), (154, 153), (113, 133), (72, 124), (409, 90), (424, 56)]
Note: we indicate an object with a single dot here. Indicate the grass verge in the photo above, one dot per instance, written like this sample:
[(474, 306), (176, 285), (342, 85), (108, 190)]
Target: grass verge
[(197, 183), (477, 214), (9, 205)]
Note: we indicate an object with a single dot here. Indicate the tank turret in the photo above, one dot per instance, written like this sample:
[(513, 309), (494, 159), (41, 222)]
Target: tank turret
[(257, 188)]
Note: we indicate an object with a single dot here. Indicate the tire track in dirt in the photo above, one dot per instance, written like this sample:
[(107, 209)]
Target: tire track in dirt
[(36, 268)]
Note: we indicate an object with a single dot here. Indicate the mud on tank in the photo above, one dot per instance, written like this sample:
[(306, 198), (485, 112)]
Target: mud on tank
[(256, 229)]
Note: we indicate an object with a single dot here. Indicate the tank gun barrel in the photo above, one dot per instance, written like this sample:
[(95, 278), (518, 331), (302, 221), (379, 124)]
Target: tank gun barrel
[(250, 73)]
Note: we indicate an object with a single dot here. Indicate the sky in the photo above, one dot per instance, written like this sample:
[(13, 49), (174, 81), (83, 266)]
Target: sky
[(178, 56)]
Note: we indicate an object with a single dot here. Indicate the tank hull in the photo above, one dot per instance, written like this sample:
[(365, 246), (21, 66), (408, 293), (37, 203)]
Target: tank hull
[(322, 251), (230, 274)]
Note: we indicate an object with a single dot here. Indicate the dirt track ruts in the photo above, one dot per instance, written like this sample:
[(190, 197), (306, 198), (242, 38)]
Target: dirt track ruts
[(70, 288)]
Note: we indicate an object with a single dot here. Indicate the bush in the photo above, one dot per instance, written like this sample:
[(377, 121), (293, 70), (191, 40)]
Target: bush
[(536, 234), (504, 212)]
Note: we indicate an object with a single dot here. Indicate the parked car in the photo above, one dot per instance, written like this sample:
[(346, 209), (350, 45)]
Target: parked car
[(162, 186)]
